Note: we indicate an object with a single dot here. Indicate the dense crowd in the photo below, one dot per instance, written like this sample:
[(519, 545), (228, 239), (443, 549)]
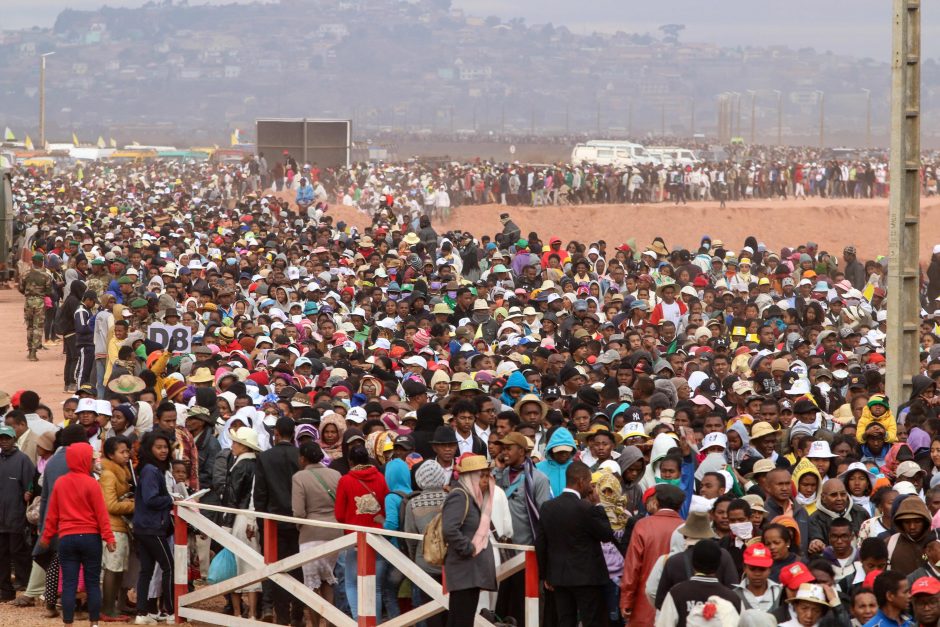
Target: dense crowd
[(689, 433)]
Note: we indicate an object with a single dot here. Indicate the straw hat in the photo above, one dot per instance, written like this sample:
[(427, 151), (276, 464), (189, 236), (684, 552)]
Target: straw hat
[(473, 463), (246, 436), (202, 375), (127, 384)]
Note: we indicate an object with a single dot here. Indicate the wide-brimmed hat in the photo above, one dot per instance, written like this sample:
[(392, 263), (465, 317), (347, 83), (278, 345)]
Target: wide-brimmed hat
[(246, 436), (202, 375), (598, 429), (472, 463), (200, 413), (697, 526), (444, 435), (127, 384), (762, 429), (811, 593)]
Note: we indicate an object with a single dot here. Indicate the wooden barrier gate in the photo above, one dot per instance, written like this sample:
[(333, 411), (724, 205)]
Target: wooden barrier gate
[(366, 540)]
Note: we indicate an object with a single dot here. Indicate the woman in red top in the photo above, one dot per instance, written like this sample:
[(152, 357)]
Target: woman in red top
[(78, 515), (360, 500)]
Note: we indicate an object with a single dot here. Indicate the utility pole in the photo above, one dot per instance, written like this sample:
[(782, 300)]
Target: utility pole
[(630, 119), (753, 118), (779, 116), (867, 117), (736, 115), (903, 337), (692, 121), (502, 118), (662, 119), (42, 98), (532, 122), (822, 117)]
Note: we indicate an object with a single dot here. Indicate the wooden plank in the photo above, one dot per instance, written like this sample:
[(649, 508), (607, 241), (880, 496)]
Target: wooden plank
[(510, 567), (410, 569), (286, 564)]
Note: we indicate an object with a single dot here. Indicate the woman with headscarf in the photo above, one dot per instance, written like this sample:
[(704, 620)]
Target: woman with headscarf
[(331, 435), (351, 437), (465, 524)]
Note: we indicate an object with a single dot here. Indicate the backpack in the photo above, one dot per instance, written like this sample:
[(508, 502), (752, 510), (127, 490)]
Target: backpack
[(402, 507), (434, 549)]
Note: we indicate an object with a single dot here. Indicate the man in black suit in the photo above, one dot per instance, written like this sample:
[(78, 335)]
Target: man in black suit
[(568, 541), (465, 414)]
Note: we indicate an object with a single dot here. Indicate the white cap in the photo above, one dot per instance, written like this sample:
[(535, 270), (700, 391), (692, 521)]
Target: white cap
[(798, 387), (381, 343), (819, 449), (415, 360), (104, 407), (87, 404), (715, 438), (356, 414), (387, 323)]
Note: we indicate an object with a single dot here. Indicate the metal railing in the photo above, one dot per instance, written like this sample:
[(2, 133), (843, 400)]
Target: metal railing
[(368, 541)]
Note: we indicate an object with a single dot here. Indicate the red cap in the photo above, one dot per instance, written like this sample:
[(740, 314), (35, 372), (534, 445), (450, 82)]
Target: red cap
[(870, 579), (838, 358), (649, 492), (876, 358), (795, 575), (925, 585), (758, 555)]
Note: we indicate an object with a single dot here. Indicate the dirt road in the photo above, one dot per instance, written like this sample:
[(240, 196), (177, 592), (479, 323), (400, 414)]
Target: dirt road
[(831, 223)]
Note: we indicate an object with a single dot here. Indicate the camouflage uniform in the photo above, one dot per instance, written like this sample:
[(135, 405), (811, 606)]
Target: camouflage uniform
[(98, 283), (36, 286)]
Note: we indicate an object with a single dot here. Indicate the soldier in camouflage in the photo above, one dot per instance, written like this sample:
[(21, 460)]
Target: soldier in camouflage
[(99, 281), (36, 286)]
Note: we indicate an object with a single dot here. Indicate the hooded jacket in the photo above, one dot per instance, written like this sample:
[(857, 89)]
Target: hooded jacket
[(398, 480), (631, 489), (77, 505), (65, 317), (516, 380), (907, 553), (355, 494), (886, 420), (807, 467), (115, 482), (552, 469)]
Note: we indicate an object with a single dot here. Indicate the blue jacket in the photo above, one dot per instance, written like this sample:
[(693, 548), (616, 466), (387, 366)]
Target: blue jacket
[(152, 503), (84, 327), (398, 479), (552, 469), (516, 380), (305, 194)]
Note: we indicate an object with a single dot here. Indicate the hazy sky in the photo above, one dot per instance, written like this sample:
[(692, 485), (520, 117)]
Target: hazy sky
[(858, 27)]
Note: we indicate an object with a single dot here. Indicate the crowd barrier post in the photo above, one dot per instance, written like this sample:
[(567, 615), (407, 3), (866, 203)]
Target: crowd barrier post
[(270, 541), (531, 589), (365, 569), (180, 562)]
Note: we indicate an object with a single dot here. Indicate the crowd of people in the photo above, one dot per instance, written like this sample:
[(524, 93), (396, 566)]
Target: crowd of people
[(687, 433)]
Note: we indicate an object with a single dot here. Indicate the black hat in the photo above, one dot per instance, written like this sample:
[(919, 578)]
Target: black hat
[(444, 435), (568, 372), (709, 387), (406, 442), (804, 406), (414, 388)]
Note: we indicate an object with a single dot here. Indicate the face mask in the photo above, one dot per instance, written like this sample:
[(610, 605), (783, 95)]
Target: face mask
[(824, 387), (451, 294), (296, 318), (742, 530), (674, 482), (230, 261)]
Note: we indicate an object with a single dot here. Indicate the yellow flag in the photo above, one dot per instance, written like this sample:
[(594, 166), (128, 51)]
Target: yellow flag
[(869, 292), (29, 143), (113, 143), (234, 138), (8, 135), (74, 139), (101, 143)]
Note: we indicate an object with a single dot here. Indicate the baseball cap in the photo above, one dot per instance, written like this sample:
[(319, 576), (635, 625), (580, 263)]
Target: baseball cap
[(759, 555), (514, 437), (406, 442), (356, 414), (796, 574), (925, 585), (7, 431)]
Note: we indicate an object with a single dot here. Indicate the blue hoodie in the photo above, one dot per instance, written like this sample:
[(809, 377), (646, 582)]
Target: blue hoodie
[(397, 477), (552, 469), (516, 380)]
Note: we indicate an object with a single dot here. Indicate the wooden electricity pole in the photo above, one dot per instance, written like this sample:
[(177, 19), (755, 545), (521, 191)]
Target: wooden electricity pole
[(903, 337)]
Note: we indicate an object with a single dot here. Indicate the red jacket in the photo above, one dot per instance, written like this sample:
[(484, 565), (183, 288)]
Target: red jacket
[(657, 315), (353, 494), (77, 503), (649, 541)]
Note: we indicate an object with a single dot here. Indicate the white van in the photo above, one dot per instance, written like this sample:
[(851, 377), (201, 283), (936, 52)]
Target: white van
[(609, 152), (670, 155)]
